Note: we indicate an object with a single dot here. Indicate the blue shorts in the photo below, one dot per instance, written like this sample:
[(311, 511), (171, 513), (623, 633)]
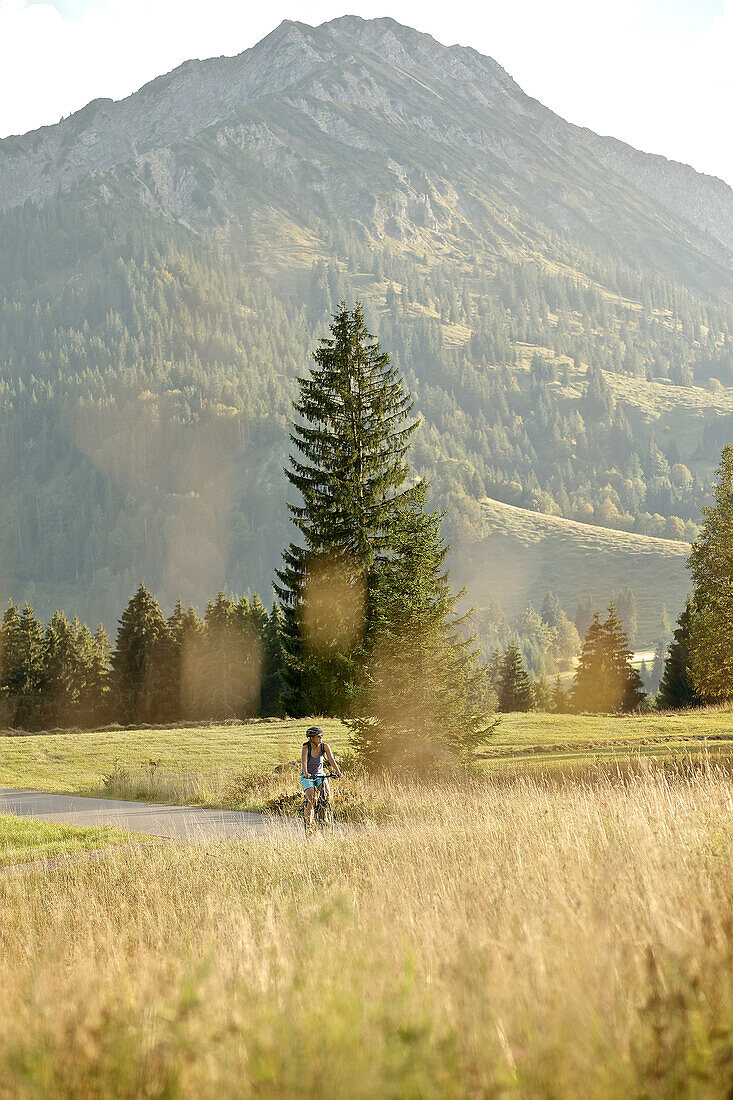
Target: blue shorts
[(311, 781)]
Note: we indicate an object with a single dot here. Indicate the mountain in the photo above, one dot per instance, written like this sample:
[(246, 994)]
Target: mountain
[(331, 78), (559, 303)]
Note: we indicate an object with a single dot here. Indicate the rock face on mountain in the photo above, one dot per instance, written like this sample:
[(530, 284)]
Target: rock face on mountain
[(390, 128)]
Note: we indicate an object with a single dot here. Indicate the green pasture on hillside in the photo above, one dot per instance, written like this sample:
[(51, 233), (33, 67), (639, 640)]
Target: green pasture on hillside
[(79, 761)]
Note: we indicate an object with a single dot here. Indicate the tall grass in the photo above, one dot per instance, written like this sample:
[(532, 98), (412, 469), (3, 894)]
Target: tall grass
[(533, 937)]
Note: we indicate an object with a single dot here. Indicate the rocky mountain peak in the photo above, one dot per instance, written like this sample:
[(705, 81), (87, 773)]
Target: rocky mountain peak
[(353, 78)]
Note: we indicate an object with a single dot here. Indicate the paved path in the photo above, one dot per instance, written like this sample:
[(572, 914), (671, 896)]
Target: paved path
[(181, 822)]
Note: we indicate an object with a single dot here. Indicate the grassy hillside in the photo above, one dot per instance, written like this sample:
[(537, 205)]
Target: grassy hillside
[(523, 555)]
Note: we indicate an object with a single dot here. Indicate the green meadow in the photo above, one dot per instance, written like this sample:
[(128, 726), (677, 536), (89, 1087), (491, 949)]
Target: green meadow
[(248, 764)]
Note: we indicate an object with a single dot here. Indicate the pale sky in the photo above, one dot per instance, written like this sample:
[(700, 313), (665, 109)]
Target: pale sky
[(655, 73)]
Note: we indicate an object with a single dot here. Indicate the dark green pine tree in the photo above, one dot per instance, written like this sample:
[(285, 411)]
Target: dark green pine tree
[(676, 689), (140, 663), (63, 673), (351, 435), (23, 657), (515, 689), (272, 673), (542, 694), (252, 622), (710, 638), (625, 682), (189, 634), (415, 707), (176, 628), (10, 661), (657, 669), (96, 696)]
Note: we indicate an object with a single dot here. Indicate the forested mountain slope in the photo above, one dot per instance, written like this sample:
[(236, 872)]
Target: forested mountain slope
[(560, 307)]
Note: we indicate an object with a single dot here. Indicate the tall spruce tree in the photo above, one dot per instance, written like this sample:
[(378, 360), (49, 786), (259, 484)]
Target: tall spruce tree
[(24, 667), (63, 673), (96, 697), (515, 691), (676, 688), (421, 679), (140, 663), (711, 564), (9, 663), (189, 632), (351, 435), (272, 672)]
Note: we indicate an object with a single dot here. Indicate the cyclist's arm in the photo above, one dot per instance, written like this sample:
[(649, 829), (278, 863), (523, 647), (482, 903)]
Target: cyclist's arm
[(331, 760), (304, 761)]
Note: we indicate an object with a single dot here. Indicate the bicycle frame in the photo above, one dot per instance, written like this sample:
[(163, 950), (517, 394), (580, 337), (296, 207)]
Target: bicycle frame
[(321, 805)]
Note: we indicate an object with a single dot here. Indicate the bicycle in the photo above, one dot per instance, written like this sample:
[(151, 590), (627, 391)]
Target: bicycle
[(323, 810)]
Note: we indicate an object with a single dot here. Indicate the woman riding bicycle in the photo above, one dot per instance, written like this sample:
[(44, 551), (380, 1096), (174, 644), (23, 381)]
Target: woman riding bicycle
[(312, 755)]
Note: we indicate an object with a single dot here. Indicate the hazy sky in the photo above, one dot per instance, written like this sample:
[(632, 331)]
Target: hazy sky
[(656, 73)]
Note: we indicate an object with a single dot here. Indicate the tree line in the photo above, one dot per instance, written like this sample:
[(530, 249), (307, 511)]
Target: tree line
[(226, 664), (365, 626)]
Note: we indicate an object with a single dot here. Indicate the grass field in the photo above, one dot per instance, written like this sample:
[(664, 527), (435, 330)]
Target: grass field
[(525, 938), (234, 765), (23, 841)]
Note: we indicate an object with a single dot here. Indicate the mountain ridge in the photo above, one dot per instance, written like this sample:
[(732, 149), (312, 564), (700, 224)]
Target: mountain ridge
[(108, 134)]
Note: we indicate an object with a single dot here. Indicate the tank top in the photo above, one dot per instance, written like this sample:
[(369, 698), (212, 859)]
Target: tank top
[(315, 763)]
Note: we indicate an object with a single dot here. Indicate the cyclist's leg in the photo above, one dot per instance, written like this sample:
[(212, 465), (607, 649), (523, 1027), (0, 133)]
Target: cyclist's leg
[(326, 791), (310, 803)]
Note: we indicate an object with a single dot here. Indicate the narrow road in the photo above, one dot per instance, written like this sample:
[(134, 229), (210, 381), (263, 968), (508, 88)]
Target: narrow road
[(179, 822)]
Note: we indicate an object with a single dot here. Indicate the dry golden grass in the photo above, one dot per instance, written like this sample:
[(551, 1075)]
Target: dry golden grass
[(530, 937)]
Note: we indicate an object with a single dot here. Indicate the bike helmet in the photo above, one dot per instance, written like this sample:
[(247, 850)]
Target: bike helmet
[(314, 731)]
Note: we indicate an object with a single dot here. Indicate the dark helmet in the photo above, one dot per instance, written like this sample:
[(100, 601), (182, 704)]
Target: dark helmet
[(314, 731)]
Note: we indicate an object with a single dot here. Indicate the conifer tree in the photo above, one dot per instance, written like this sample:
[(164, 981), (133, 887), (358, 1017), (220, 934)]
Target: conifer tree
[(142, 692), (559, 698), (711, 564), (176, 621), (590, 688), (231, 659), (189, 634), (676, 688), (414, 706), (515, 690), (657, 668), (542, 694), (272, 671), (493, 669), (96, 702), (605, 681), (9, 663), (22, 684), (62, 674), (351, 437), (624, 681)]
